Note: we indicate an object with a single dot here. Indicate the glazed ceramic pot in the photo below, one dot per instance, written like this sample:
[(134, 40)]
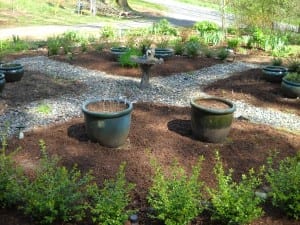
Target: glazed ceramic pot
[(12, 71), (118, 51), (2, 82), (163, 53), (107, 121), (211, 118), (290, 88), (274, 73)]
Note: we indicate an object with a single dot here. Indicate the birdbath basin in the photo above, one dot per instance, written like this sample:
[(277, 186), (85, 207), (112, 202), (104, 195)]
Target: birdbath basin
[(146, 63)]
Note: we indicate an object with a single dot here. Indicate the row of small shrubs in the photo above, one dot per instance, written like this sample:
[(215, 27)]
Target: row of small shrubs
[(60, 194)]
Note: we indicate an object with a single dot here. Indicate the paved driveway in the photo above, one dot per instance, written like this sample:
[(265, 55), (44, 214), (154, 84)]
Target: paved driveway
[(179, 14)]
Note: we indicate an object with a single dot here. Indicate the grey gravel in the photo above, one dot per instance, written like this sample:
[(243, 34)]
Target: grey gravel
[(174, 90)]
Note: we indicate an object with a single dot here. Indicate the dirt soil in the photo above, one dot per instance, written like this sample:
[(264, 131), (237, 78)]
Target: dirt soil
[(158, 131)]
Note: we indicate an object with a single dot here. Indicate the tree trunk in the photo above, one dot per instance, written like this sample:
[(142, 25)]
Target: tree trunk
[(123, 4)]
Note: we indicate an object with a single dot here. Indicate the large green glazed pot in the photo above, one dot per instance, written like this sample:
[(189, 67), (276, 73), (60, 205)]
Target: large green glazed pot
[(211, 123), (109, 128), (2, 82), (274, 73), (290, 89), (12, 71)]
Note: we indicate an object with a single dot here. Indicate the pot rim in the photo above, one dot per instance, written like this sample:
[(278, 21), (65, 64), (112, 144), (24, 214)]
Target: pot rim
[(293, 83), (107, 114), (276, 69), (2, 75), (231, 109), (11, 66)]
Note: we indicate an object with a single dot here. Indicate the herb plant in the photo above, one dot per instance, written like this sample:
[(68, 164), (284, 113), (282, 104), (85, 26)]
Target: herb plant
[(294, 77), (56, 193), (109, 205), (234, 203), (12, 179), (125, 59), (284, 183), (176, 200)]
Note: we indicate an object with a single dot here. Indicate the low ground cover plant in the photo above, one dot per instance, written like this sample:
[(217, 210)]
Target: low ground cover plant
[(56, 193), (284, 182), (109, 205), (176, 199), (12, 178), (234, 203)]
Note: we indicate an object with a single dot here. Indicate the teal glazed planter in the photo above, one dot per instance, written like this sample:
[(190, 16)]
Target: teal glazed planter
[(118, 51), (211, 118), (107, 121), (2, 82), (12, 71), (163, 53), (274, 73), (290, 89)]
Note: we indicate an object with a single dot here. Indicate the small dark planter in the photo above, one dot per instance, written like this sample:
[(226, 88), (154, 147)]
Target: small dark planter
[(12, 71), (163, 53), (274, 73), (211, 118), (2, 82), (107, 121), (290, 89), (118, 51)]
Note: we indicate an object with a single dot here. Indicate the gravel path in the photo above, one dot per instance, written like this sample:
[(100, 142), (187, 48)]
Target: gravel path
[(174, 90)]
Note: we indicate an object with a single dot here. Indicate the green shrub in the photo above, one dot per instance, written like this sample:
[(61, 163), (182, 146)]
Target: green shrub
[(108, 32), (178, 46), (125, 59), (210, 32), (12, 179), (233, 43), (206, 26), (176, 200), (192, 46), (295, 77), (232, 202), (223, 53), (276, 61), (53, 43), (56, 193), (294, 64), (164, 27), (109, 205), (285, 182)]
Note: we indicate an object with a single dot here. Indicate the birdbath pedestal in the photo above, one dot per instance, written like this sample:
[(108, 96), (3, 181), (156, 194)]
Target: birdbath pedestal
[(146, 63)]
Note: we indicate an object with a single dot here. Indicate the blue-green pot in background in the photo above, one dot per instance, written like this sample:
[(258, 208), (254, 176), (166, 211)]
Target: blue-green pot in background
[(107, 121), (2, 82), (12, 71), (290, 89), (211, 118)]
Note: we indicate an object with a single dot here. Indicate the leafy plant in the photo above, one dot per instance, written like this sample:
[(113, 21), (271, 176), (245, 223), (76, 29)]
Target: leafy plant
[(206, 26), (232, 202), (109, 205), (164, 27), (294, 77), (285, 182), (56, 193), (108, 32), (223, 53), (53, 43), (12, 179), (209, 31), (125, 59), (233, 43), (176, 200), (294, 64), (276, 62), (44, 108), (192, 46), (178, 46)]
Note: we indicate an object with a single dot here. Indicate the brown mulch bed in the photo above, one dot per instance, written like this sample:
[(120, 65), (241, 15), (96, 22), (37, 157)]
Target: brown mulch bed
[(158, 131)]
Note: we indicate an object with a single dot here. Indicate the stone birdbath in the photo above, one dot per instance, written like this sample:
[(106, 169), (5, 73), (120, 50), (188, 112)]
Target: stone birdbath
[(146, 62)]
